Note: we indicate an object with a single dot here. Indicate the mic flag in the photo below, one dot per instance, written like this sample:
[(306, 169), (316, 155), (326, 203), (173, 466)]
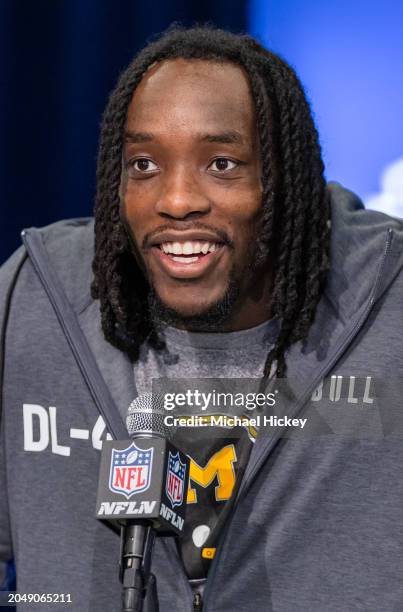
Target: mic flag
[(144, 478)]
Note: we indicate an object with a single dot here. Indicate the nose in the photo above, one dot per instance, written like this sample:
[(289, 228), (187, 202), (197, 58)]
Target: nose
[(182, 195)]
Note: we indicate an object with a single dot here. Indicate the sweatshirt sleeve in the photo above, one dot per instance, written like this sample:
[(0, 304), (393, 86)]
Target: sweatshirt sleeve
[(8, 276)]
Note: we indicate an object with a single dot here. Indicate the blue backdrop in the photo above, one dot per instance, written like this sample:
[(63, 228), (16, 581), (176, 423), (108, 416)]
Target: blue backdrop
[(349, 56), (58, 62)]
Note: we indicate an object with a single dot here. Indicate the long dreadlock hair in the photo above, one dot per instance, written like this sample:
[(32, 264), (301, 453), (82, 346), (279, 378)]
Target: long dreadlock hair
[(295, 217)]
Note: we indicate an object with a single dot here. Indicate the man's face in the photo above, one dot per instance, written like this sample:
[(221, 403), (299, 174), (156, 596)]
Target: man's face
[(191, 187)]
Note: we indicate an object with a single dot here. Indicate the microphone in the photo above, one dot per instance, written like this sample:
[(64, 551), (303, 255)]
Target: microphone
[(142, 491), (146, 417)]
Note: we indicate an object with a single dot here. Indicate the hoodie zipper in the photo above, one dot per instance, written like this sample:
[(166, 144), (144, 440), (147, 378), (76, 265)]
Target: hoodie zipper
[(340, 351), (197, 602)]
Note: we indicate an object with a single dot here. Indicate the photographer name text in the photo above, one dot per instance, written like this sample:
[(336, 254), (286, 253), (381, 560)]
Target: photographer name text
[(233, 421)]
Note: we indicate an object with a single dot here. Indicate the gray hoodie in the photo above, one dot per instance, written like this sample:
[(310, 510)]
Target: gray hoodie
[(318, 523)]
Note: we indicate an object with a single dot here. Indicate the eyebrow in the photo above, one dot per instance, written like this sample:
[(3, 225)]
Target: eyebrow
[(138, 136), (226, 137)]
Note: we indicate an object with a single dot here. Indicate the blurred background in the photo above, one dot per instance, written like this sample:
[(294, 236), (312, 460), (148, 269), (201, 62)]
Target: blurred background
[(59, 59)]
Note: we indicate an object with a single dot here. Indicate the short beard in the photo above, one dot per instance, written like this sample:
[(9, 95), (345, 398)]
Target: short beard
[(215, 317), (212, 319)]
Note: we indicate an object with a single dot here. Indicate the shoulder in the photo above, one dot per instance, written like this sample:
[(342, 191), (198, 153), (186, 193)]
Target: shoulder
[(68, 240), (349, 213), (9, 272), (356, 229), (360, 240), (10, 268), (70, 246)]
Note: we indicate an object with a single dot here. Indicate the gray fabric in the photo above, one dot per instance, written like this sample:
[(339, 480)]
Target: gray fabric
[(238, 354), (319, 524)]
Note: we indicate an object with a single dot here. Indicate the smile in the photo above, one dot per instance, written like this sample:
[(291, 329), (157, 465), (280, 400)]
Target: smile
[(188, 259), (189, 251)]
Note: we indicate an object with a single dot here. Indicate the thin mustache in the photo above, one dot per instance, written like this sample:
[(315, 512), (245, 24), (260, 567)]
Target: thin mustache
[(194, 226)]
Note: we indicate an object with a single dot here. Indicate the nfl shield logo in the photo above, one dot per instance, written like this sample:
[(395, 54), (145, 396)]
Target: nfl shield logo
[(130, 470), (175, 484)]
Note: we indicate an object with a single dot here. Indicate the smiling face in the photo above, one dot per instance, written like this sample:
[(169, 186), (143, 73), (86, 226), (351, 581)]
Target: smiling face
[(191, 193)]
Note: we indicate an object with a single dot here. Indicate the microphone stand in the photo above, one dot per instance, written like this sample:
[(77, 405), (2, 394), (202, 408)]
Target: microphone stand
[(136, 546)]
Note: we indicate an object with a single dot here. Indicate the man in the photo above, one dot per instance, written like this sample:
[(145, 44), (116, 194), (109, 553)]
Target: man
[(219, 253)]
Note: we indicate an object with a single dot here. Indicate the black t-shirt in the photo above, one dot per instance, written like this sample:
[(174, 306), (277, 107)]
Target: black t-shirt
[(219, 458)]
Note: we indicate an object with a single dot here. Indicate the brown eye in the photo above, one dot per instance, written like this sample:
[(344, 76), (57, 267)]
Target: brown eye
[(221, 164), (144, 165)]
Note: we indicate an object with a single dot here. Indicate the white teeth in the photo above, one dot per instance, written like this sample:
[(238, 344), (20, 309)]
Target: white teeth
[(188, 248), (186, 260)]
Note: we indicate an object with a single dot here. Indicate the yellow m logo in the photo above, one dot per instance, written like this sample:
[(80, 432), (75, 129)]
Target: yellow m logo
[(220, 466)]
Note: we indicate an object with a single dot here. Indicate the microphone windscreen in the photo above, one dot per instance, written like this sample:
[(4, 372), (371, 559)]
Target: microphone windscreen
[(145, 416)]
